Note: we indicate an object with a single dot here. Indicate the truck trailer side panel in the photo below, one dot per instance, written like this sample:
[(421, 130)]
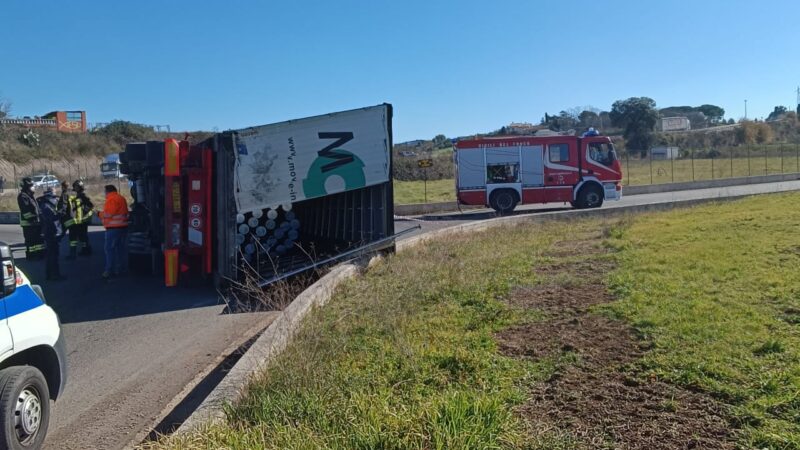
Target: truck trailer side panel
[(308, 158)]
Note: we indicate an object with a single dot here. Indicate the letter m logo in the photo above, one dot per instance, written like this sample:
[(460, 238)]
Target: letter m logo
[(332, 152)]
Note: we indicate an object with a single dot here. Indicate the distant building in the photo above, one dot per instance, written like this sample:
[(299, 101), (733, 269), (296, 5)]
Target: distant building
[(522, 128), (664, 152), (64, 121), (675, 124)]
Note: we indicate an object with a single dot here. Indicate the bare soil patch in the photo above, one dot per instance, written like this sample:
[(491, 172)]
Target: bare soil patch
[(599, 401)]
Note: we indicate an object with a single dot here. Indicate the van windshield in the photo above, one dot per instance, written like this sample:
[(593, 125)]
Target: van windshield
[(106, 167)]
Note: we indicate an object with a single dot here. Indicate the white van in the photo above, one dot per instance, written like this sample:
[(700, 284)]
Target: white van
[(32, 359)]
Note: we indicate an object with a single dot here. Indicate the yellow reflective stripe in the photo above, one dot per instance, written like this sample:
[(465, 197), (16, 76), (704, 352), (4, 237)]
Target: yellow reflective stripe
[(171, 155), (170, 268)]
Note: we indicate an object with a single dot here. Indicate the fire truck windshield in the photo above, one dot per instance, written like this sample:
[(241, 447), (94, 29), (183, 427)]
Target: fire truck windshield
[(602, 152)]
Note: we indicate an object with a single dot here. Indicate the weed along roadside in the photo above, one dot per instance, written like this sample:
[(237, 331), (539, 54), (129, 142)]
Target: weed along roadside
[(673, 329)]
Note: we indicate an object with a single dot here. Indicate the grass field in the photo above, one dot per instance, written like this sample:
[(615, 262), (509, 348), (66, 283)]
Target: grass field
[(636, 173), (406, 192), (508, 339), (718, 291)]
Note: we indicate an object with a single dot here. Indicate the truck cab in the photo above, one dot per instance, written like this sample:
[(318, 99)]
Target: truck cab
[(110, 167), (32, 359)]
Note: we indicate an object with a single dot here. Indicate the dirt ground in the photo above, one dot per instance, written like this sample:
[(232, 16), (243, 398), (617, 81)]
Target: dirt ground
[(599, 402)]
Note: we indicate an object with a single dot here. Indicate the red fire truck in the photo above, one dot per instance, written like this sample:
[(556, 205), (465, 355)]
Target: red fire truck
[(503, 172)]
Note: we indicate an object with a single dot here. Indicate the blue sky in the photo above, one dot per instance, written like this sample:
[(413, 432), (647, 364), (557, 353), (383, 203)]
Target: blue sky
[(447, 67)]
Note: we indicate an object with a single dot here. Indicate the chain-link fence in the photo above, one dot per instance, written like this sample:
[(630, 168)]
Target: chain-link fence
[(672, 165), (50, 173)]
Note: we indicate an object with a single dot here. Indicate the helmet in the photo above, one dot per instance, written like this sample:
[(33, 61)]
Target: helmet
[(27, 183), (77, 186)]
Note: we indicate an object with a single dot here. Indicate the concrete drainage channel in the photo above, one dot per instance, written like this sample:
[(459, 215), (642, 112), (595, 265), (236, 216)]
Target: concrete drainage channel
[(262, 349)]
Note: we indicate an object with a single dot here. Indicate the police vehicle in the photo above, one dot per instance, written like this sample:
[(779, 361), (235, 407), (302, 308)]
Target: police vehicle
[(32, 359)]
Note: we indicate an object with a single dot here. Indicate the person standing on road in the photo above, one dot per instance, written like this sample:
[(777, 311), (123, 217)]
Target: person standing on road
[(115, 220), (30, 220), (63, 201), (53, 232), (79, 214)]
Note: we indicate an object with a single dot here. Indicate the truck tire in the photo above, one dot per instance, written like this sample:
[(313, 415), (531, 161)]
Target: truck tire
[(504, 201), (590, 196), (24, 408)]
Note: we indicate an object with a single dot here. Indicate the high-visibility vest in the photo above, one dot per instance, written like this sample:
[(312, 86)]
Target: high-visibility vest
[(115, 213), (79, 211)]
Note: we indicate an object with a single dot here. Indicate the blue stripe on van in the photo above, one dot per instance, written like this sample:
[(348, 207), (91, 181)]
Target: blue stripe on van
[(22, 300)]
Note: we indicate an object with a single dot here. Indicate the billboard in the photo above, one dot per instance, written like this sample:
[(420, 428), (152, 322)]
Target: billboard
[(307, 158)]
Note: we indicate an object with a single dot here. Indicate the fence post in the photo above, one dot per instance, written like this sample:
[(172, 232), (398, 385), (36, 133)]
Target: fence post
[(672, 165), (749, 172), (797, 156), (16, 183), (712, 164), (731, 151), (650, 157), (766, 166), (692, 153), (628, 167), (780, 149)]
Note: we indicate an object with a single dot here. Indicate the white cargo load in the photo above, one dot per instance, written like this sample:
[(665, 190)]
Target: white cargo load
[(302, 159)]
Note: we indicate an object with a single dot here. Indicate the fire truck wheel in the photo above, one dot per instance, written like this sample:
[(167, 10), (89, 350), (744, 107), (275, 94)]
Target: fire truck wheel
[(503, 201), (590, 196)]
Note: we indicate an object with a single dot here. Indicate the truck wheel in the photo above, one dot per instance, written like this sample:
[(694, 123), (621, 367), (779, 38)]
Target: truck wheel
[(24, 408), (503, 201), (590, 196)]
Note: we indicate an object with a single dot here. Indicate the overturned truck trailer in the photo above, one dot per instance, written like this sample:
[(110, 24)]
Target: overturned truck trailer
[(267, 202)]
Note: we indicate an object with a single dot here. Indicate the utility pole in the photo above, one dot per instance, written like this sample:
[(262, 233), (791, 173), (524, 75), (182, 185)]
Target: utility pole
[(745, 109), (798, 100)]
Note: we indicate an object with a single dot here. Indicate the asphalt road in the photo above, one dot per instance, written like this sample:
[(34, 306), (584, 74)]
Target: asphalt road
[(134, 345)]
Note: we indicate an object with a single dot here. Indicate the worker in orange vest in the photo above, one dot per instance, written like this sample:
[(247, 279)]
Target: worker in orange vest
[(115, 219)]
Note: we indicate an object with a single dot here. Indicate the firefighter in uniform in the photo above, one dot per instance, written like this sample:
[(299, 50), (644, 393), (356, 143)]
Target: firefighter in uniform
[(63, 203), (30, 220), (53, 232), (78, 215)]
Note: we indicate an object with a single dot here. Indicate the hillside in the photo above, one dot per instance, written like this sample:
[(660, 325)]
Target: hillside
[(70, 155)]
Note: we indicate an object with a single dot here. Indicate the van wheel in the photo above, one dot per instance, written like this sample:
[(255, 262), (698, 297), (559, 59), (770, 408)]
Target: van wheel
[(24, 408), (590, 196), (503, 201)]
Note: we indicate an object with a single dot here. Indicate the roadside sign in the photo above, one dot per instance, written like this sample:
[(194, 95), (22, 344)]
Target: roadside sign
[(424, 163)]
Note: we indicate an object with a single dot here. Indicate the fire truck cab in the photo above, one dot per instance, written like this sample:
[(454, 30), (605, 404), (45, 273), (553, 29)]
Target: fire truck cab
[(506, 171)]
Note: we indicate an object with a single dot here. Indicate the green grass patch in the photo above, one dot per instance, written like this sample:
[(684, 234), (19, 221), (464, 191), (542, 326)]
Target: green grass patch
[(407, 192), (406, 357), (403, 357), (717, 288)]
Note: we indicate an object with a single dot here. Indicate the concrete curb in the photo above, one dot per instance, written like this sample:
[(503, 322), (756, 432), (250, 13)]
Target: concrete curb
[(266, 347), (277, 336), (417, 209)]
